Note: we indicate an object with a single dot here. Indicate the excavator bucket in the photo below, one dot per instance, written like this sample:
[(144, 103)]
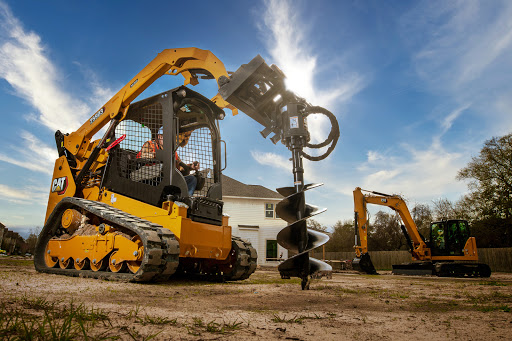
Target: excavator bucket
[(364, 264)]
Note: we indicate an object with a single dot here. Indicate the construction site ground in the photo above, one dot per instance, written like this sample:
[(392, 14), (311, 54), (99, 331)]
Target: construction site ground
[(348, 306)]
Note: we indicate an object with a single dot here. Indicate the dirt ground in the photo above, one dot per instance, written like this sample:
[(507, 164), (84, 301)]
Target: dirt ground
[(349, 306)]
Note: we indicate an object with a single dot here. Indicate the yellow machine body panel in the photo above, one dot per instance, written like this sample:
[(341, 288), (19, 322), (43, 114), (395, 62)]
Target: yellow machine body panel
[(62, 184), (197, 240), (93, 247), (470, 253)]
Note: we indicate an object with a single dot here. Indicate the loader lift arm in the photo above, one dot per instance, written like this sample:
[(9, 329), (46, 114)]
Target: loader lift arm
[(85, 156)]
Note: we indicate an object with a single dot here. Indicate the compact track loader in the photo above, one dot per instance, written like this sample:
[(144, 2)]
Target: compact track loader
[(121, 207)]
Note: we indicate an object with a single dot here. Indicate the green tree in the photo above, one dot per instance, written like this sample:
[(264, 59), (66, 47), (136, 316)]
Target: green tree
[(342, 237), (422, 216), (385, 233), (315, 225), (490, 175), (488, 206)]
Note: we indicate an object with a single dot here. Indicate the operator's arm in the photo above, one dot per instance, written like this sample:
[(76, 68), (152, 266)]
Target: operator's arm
[(147, 152)]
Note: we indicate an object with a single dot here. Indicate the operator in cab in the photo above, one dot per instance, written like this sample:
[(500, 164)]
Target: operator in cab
[(149, 148)]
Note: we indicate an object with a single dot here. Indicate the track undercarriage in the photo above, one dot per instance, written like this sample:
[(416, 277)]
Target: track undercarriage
[(443, 269), (91, 239)]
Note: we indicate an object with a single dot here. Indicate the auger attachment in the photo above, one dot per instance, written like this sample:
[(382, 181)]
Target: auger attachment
[(296, 237), (259, 91)]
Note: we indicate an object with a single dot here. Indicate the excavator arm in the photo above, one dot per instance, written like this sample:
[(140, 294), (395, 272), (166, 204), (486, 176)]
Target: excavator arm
[(419, 249)]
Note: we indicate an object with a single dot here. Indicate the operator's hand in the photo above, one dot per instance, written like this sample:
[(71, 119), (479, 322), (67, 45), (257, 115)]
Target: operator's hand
[(194, 165)]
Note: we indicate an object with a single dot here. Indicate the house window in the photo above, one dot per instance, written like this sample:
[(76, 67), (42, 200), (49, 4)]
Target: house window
[(271, 250), (269, 210)]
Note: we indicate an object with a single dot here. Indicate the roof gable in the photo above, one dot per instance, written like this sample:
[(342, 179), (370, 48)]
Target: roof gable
[(232, 187)]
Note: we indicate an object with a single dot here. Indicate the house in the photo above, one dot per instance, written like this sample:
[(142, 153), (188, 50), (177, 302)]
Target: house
[(252, 216)]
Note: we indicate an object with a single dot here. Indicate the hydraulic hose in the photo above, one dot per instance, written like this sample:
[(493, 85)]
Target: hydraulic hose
[(331, 139)]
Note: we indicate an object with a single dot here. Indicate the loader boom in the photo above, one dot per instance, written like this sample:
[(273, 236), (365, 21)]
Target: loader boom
[(85, 155)]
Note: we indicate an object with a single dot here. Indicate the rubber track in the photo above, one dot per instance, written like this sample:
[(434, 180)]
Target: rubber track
[(463, 270), (239, 265), (246, 260), (161, 249)]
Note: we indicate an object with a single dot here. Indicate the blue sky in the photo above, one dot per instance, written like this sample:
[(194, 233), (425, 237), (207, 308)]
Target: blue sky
[(417, 86)]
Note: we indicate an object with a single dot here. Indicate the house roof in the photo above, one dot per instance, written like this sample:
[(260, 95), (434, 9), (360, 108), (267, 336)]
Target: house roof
[(232, 187)]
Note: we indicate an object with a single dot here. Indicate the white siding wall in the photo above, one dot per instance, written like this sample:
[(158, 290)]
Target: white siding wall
[(250, 211)]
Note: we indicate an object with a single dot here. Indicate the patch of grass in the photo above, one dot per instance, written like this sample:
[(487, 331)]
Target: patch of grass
[(136, 335), (19, 322), (502, 307), (494, 283), (156, 320), (496, 296), (198, 322), (6, 261), (198, 325), (233, 326), (442, 306), (214, 327), (134, 312), (297, 319), (37, 303)]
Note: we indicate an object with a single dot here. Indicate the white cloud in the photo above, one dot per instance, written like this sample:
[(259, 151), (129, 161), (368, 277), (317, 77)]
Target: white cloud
[(420, 174), (462, 50), (273, 160), (373, 156), (291, 50), (101, 93), (24, 196), (31, 154), (447, 122), (24, 64)]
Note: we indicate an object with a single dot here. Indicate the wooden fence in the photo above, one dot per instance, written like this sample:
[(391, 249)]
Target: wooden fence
[(499, 259)]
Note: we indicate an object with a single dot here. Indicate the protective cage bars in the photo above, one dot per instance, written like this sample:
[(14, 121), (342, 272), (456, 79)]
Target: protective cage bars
[(143, 140)]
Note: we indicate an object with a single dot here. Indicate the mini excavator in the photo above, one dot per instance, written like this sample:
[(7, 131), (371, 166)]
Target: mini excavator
[(450, 251), (115, 212)]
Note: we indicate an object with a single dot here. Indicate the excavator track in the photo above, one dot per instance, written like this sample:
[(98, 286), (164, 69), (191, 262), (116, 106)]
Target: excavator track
[(239, 265), (161, 249), (462, 270)]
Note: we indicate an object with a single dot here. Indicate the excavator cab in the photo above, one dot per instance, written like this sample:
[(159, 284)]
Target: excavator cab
[(143, 166), (448, 237)]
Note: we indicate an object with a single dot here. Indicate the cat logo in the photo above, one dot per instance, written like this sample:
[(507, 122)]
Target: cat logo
[(60, 185)]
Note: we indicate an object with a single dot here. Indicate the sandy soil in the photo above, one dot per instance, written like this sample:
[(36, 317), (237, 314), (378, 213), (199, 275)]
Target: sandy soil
[(349, 306)]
